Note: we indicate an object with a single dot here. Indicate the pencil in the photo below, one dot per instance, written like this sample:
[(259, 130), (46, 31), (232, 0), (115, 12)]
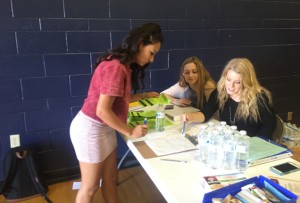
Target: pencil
[(174, 160)]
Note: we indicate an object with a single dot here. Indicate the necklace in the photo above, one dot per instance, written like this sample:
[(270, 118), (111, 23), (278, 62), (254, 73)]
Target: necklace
[(232, 121)]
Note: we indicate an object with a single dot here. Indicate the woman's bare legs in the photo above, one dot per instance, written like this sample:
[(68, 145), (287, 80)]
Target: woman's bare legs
[(110, 179), (90, 177)]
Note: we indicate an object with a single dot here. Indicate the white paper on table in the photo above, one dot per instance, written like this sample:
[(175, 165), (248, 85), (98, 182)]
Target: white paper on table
[(156, 135), (171, 142)]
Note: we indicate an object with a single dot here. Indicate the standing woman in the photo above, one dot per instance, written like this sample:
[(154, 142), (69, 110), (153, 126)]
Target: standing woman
[(194, 86), (241, 101), (105, 110)]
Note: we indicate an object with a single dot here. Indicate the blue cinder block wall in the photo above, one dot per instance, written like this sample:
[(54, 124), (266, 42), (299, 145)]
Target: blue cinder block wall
[(47, 50)]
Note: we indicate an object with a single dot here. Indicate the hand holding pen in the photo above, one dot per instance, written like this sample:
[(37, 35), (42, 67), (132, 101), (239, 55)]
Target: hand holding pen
[(145, 126), (139, 130)]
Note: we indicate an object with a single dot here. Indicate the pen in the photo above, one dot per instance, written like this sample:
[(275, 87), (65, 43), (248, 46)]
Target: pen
[(145, 121), (174, 160), (183, 127)]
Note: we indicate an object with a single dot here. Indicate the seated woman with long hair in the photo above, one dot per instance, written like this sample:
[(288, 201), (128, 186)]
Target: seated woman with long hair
[(240, 100)]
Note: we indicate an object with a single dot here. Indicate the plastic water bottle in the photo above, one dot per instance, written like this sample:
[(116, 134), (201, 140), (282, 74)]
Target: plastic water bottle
[(160, 118), (211, 126), (242, 151), (234, 129), (223, 124), (215, 154), (203, 143), (229, 153)]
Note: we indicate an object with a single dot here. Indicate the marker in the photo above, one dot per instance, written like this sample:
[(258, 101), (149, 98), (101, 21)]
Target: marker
[(183, 127), (174, 160), (145, 121)]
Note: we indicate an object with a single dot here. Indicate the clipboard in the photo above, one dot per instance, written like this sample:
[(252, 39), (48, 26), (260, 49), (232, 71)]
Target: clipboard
[(145, 150)]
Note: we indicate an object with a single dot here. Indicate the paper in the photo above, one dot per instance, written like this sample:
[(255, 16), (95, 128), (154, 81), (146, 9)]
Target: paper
[(156, 135), (291, 185), (76, 185), (218, 181), (168, 143)]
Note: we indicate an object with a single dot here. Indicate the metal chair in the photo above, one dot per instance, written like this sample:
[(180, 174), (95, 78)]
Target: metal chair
[(123, 159)]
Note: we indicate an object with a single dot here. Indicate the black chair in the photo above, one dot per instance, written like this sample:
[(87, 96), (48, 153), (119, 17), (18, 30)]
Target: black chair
[(279, 130)]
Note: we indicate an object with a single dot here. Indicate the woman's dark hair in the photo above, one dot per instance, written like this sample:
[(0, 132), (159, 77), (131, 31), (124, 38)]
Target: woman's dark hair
[(148, 33)]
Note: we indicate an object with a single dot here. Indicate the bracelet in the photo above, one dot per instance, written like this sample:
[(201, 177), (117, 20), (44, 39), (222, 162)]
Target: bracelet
[(143, 95)]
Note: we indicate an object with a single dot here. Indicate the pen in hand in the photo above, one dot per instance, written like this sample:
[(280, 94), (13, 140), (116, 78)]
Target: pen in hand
[(145, 121), (183, 127)]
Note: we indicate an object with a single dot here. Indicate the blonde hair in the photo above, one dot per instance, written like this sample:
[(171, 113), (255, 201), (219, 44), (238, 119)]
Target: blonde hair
[(203, 78), (250, 93)]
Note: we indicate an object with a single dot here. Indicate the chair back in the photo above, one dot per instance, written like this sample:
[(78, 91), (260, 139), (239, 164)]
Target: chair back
[(279, 130)]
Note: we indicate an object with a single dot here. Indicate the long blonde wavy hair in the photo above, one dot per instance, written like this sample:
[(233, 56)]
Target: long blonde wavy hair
[(203, 78), (249, 92)]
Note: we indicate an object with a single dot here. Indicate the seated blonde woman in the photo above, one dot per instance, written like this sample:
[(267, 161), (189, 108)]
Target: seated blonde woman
[(194, 86), (240, 100)]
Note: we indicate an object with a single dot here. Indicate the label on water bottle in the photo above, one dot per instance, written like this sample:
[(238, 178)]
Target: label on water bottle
[(160, 115), (241, 148), (227, 147), (160, 121)]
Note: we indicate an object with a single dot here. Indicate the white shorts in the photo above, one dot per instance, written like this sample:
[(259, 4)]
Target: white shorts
[(92, 140)]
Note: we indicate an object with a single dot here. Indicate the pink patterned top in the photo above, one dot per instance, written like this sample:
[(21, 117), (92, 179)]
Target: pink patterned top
[(110, 78)]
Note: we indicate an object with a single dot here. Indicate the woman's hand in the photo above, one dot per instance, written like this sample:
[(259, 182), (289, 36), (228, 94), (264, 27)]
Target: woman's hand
[(138, 131), (193, 117), (181, 102), (151, 94)]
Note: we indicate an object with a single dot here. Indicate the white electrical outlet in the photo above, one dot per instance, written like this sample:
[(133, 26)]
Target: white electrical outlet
[(15, 141)]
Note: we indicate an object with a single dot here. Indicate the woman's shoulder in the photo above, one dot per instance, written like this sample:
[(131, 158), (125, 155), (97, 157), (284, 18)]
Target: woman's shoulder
[(112, 65), (178, 86), (209, 85), (264, 98), (264, 94), (209, 88), (175, 90), (112, 62)]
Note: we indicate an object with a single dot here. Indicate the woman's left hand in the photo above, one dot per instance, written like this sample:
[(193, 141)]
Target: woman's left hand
[(151, 94)]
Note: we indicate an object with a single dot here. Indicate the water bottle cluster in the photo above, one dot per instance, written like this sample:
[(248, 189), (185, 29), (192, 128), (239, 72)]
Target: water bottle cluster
[(223, 146), (291, 135)]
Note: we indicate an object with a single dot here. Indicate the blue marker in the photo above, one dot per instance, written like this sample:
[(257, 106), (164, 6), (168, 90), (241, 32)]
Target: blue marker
[(183, 127), (145, 121)]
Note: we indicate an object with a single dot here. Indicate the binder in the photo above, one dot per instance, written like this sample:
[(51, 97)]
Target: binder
[(268, 151), (275, 157)]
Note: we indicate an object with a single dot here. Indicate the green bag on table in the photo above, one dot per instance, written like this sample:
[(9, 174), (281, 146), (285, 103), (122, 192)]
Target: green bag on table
[(162, 99), (137, 117)]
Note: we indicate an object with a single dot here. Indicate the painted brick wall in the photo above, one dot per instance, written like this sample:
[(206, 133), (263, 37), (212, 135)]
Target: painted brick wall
[(47, 49)]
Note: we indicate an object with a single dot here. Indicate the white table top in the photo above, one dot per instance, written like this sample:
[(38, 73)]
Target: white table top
[(181, 182)]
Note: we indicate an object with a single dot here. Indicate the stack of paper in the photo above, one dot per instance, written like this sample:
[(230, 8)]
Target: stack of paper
[(169, 142)]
